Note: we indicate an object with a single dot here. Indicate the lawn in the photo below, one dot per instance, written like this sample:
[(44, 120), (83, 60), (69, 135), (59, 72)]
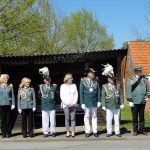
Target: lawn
[(126, 120)]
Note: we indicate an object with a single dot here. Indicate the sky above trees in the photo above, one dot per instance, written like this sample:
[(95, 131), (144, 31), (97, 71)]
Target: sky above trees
[(121, 17)]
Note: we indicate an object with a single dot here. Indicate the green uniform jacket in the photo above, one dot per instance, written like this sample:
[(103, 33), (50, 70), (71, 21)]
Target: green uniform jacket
[(108, 97), (138, 95), (26, 98), (88, 98), (7, 95), (48, 97)]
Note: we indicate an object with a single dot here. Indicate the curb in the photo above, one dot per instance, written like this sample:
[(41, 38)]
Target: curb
[(60, 139)]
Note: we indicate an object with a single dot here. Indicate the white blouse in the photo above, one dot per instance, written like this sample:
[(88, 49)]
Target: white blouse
[(68, 94)]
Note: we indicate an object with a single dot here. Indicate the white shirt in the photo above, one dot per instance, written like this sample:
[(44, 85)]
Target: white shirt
[(68, 94)]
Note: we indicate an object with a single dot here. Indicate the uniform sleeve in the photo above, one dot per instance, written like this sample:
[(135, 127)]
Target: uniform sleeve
[(81, 93), (13, 97), (75, 99), (121, 99), (103, 97), (62, 94), (99, 93), (18, 99), (148, 87), (55, 88), (129, 91), (33, 97)]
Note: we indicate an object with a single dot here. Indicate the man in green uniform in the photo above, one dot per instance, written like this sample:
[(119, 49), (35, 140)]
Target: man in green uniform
[(112, 102), (47, 91), (137, 92), (90, 101)]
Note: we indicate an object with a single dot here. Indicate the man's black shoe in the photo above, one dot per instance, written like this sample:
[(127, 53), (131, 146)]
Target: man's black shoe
[(87, 135), (135, 133), (24, 136), (108, 135), (31, 136), (53, 134), (8, 135), (45, 135), (118, 135), (96, 135), (143, 132), (3, 136)]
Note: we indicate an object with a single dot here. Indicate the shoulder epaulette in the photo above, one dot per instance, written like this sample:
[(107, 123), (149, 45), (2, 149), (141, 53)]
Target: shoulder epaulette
[(131, 77), (82, 80), (10, 85)]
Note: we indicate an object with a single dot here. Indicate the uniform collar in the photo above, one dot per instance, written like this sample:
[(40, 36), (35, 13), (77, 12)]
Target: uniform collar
[(47, 85), (112, 85), (4, 85), (137, 76)]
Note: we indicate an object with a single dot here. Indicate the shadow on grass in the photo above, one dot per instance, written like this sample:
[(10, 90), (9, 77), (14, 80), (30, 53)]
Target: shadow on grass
[(126, 121)]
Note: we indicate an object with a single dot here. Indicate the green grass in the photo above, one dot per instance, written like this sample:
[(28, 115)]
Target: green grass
[(126, 119)]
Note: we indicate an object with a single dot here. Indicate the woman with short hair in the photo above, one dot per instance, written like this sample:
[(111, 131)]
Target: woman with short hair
[(7, 103), (69, 97), (26, 106)]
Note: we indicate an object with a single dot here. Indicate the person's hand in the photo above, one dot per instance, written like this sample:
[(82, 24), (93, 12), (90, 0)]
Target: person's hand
[(12, 107), (146, 98), (98, 104), (71, 105), (121, 106), (104, 108), (83, 106), (33, 109), (19, 110), (131, 104)]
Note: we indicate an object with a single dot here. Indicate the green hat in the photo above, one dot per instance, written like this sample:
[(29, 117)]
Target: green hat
[(91, 70), (47, 78), (138, 68)]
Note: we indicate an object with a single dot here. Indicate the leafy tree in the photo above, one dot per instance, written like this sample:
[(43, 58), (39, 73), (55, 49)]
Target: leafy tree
[(31, 27), (28, 27), (125, 44), (83, 33)]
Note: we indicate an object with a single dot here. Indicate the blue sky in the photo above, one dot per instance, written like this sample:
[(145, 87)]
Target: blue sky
[(119, 16)]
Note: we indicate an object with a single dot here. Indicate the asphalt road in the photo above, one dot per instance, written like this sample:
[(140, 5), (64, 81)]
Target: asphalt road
[(78, 145)]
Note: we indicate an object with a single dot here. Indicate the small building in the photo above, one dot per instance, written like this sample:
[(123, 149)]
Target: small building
[(138, 54), (27, 66), (123, 61)]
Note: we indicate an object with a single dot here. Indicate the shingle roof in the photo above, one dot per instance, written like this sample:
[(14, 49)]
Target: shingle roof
[(68, 57)]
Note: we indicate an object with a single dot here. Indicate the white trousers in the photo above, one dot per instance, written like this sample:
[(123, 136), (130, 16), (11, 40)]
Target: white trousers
[(93, 113), (48, 117), (110, 114)]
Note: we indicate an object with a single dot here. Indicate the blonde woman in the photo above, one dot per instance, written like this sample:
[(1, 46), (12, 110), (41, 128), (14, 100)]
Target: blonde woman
[(26, 106), (69, 97), (7, 103)]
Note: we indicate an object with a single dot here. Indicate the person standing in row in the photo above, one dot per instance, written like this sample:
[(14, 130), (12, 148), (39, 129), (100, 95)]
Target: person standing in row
[(26, 106), (7, 103), (69, 97), (47, 92), (137, 92), (90, 101), (112, 101)]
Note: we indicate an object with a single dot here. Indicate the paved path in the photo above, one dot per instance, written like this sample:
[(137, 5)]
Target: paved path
[(61, 136), (78, 145)]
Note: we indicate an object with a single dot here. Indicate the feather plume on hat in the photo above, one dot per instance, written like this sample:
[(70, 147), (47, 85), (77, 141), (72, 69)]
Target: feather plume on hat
[(108, 70), (44, 72)]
